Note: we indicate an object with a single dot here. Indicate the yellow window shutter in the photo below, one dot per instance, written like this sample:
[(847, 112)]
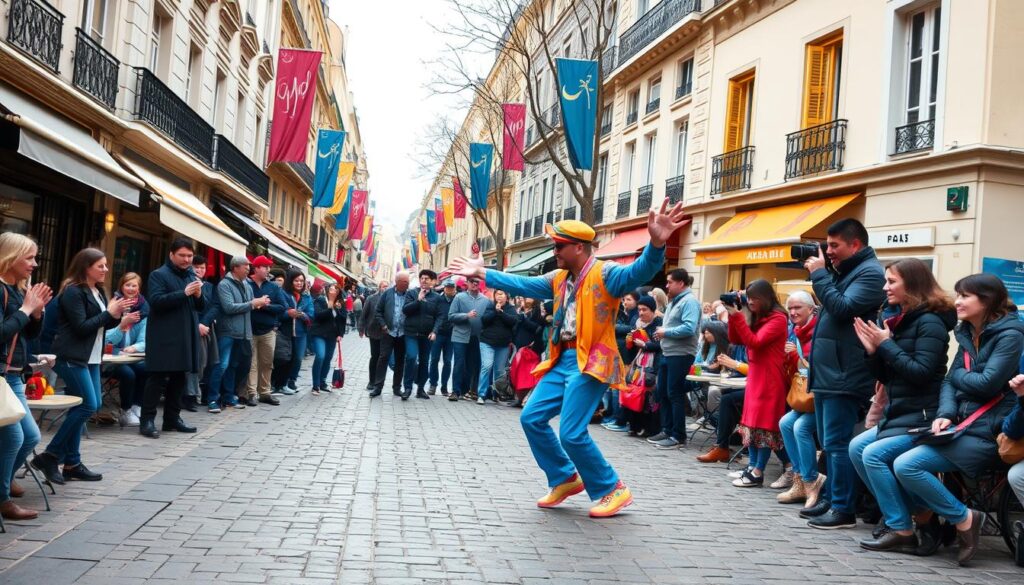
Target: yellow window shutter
[(819, 82), (735, 115)]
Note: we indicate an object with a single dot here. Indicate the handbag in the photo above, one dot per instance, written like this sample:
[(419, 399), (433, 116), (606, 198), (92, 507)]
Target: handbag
[(282, 347), (639, 380), (338, 379), (1011, 451), (11, 408), (925, 436), (799, 397)]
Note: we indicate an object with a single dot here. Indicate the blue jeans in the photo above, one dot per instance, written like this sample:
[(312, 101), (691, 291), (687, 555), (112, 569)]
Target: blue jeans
[(441, 349), (835, 417), (323, 353), (467, 366), (673, 393), (565, 392), (16, 440), (131, 379), (84, 382), (493, 360), (873, 459), (798, 436), (417, 361), (222, 375), (759, 457), (916, 471), (298, 352)]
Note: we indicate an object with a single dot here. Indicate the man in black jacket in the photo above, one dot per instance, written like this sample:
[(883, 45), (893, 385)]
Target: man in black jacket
[(839, 376), (172, 338), (442, 348), (390, 318), (369, 329), (420, 317)]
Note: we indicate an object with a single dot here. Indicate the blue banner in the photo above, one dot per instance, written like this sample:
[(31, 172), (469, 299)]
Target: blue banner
[(341, 220), (577, 92), (414, 251), (328, 157), (480, 156), (431, 228)]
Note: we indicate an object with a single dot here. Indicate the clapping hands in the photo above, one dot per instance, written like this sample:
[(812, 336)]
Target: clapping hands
[(870, 334)]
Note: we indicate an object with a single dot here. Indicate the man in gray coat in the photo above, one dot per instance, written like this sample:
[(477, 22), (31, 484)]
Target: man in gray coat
[(368, 328), (464, 314)]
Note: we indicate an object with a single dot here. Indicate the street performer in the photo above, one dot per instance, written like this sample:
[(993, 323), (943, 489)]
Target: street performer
[(583, 357)]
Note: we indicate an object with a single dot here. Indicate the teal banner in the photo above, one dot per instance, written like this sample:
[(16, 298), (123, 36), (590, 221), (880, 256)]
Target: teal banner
[(328, 158), (577, 91), (431, 228), (480, 157)]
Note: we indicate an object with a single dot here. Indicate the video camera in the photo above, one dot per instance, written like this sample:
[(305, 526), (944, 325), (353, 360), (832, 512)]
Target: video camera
[(734, 299), (801, 252)]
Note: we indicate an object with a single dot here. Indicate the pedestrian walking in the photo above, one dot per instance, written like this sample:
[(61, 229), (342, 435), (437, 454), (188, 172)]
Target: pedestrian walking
[(390, 318), (369, 328), (420, 311), (441, 350)]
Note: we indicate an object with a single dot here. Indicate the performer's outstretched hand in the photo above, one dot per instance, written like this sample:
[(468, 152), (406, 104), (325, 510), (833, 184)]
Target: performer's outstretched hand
[(468, 267), (660, 225)]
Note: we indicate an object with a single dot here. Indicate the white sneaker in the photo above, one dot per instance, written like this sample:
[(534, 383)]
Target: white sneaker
[(736, 474), (481, 401), (136, 411), (785, 480), (129, 419)]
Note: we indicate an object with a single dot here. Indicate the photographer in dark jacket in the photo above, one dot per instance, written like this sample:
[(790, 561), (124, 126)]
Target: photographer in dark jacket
[(442, 348), (907, 354), (369, 328), (839, 378), (499, 322), (420, 311)]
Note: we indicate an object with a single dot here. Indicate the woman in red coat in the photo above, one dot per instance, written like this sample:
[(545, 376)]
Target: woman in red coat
[(765, 400)]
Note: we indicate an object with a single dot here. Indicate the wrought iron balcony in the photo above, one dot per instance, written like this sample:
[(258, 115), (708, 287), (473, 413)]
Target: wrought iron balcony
[(653, 105), (623, 204), (916, 136), (606, 129), (552, 116), (682, 90), (95, 70), (609, 60), (230, 161), (599, 210), (732, 171), (569, 212), (631, 118), (550, 217), (304, 172), (816, 149), (651, 25), (35, 27), (674, 189), (156, 104), (644, 199), (519, 232), (527, 228), (538, 225)]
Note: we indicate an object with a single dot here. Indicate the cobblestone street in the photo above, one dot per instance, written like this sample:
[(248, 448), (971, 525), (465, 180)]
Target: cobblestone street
[(341, 489)]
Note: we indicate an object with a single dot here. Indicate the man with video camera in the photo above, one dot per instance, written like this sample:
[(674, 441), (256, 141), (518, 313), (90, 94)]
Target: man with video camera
[(849, 285)]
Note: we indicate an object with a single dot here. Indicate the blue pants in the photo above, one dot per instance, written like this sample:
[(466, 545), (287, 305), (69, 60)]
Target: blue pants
[(673, 393), (873, 459), (417, 361), (323, 353), (835, 417), (298, 353), (467, 366), (222, 375), (916, 471), (441, 349), (84, 382), (759, 457), (16, 440), (131, 379), (493, 360), (565, 392), (798, 436)]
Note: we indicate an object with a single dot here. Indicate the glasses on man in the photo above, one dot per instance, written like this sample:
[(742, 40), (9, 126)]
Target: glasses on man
[(560, 245)]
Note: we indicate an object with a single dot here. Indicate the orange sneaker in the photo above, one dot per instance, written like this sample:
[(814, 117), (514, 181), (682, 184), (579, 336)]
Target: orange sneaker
[(561, 492), (613, 502)]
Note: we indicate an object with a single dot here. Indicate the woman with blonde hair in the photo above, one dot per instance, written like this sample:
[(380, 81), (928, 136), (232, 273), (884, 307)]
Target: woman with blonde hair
[(22, 320), (660, 300), (130, 287)]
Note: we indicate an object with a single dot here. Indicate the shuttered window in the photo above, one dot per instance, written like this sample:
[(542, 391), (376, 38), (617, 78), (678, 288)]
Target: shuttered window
[(821, 81), (737, 125)]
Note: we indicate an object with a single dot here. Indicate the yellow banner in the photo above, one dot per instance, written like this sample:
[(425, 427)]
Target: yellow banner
[(448, 203), (345, 171)]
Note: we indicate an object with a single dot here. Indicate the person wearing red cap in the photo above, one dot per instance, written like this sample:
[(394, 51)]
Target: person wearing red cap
[(584, 357), (265, 320)]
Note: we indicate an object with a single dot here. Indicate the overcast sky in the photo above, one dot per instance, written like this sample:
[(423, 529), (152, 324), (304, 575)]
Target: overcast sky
[(390, 48)]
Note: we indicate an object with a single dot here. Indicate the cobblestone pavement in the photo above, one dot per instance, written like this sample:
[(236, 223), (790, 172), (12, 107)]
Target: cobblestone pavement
[(341, 489)]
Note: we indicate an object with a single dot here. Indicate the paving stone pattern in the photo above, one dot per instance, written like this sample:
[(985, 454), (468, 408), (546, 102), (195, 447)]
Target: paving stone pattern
[(341, 489)]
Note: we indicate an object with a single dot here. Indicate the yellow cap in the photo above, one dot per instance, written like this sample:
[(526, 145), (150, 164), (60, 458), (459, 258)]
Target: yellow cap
[(570, 230)]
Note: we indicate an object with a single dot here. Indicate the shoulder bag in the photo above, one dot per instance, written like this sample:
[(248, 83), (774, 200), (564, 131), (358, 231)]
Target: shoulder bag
[(338, 379), (799, 397), (11, 408), (925, 436)]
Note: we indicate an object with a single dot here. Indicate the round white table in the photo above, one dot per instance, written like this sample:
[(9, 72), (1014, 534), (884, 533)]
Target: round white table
[(724, 382), (123, 358)]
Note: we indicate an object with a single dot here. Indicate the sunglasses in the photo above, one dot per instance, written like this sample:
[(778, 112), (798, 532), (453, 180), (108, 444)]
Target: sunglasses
[(560, 245)]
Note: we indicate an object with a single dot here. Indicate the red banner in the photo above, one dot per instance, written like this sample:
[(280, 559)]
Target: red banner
[(439, 222), (294, 91), (515, 127), (340, 256), (357, 213), (460, 200)]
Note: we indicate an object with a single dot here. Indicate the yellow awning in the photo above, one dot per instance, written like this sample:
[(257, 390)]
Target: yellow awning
[(764, 236), (184, 213)]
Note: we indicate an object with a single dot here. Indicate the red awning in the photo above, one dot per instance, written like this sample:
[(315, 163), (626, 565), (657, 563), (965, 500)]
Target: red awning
[(328, 270), (627, 245)]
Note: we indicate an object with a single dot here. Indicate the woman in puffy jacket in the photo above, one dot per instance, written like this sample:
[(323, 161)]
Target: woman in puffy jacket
[(907, 354), (295, 324), (991, 339), (499, 322), (328, 326)]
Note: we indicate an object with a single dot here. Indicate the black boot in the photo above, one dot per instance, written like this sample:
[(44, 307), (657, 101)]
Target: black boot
[(817, 510), (421, 394), (48, 464), (189, 403), (148, 429), (178, 425), (81, 473)]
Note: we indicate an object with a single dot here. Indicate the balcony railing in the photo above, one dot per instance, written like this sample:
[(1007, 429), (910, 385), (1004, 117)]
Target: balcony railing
[(553, 115), (644, 199), (156, 104), (95, 70), (519, 232), (731, 171), (35, 27), (606, 129), (538, 225), (916, 136), (674, 189), (599, 210), (682, 90), (609, 61), (304, 172), (550, 218), (230, 161), (816, 149), (569, 212), (651, 25), (653, 105), (623, 204), (631, 118)]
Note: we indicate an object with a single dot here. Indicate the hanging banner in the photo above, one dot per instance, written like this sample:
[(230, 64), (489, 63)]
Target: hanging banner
[(480, 156), (370, 246), (512, 145), (414, 249), (357, 213), (577, 82), (341, 219), (343, 187), (328, 159), (294, 91), (367, 232), (460, 200), (439, 219), (431, 228), (424, 241), (448, 205)]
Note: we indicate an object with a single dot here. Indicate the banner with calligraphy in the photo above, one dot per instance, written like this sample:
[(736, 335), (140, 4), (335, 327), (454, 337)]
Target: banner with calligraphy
[(294, 91), (328, 160), (512, 145), (448, 206), (357, 213), (460, 199), (431, 228), (480, 156), (577, 92), (439, 219), (343, 187)]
